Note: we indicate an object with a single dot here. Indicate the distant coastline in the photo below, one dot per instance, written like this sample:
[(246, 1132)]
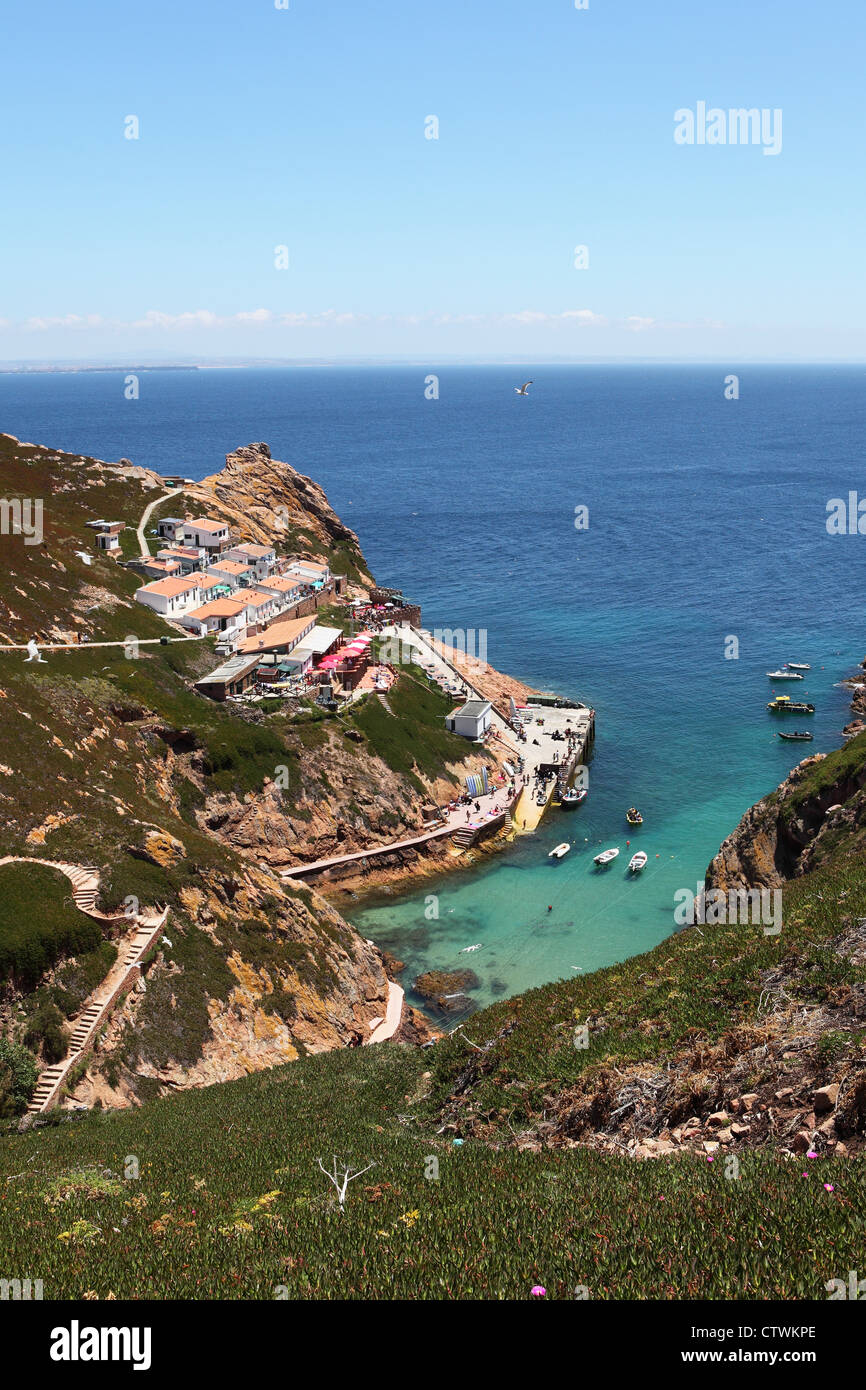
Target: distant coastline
[(50, 367)]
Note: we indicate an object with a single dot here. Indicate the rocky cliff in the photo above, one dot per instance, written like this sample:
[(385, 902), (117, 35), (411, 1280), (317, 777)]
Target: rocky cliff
[(796, 827), (109, 758), (267, 502)]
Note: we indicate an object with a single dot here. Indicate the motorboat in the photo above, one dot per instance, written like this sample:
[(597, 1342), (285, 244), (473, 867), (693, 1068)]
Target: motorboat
[(783, 704), (785, 675), (607, 856), (798, 736), (637, 862), (798, 665), (560, 852), (633, 816), (572, 796)]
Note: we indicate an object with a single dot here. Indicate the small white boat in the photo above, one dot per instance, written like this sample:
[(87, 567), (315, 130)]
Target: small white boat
[(637, 862), (784, 675), (798, 665), (560, 852), (607, 856), (573, 796)]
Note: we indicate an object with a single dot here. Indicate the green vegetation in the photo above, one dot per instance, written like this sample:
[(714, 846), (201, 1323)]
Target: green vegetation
[(408, 733), (39, 923), (843, 765), (18, 1076), (688, 993), (230, 1203)]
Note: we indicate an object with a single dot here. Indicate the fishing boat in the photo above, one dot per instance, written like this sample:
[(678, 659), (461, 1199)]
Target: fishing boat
[(633, 816), (607, 856), (637, 862), (798, 665), (783, 704), (785, 675), (560, 852), (572, 796), (798, 736)]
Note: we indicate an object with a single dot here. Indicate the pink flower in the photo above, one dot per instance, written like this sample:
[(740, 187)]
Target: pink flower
[(811, 1154), (805, 1175), (828, 1187), (538, 1291), (710, 1158)]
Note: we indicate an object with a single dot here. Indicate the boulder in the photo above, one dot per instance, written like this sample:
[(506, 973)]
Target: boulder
[(825, 1099), (163, 849), (435, 984)]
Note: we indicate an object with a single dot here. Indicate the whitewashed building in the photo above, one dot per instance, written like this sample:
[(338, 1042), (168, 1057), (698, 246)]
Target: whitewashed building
[(206, 534), (263, 558), (171, 597), (471, 720)]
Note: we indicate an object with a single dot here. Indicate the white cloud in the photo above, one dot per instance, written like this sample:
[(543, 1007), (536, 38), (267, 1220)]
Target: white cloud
[(157, 320)]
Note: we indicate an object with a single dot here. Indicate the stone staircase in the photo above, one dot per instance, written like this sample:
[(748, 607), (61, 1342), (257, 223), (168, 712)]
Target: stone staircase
[(144, 931), (126, 969), (84, 880), (464, 835)]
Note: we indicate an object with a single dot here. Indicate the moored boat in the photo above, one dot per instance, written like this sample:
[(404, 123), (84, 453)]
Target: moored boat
[(572, 796), (633, 816), (607, 856), (784, 675), (783, 704), (637, 862), (560, 852), (798, 736), (798, 665)]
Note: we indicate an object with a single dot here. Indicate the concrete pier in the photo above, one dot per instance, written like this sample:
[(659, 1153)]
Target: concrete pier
[(540, 722)]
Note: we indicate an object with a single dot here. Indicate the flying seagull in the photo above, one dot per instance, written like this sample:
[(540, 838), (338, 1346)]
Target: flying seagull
[(524, 389)]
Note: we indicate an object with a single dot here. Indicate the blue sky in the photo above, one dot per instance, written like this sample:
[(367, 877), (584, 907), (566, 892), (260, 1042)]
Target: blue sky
[(305, 128)]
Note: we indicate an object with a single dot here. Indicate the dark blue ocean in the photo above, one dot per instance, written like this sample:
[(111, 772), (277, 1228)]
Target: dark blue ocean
[(706, 522)]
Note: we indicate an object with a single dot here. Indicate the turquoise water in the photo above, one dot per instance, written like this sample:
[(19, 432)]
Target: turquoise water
[(691, 780), (707, 520)]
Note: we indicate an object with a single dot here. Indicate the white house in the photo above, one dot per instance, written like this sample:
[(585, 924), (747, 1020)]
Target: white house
[(317, 644), (204, 532), (171, 528), (229, 616), (471, 720), (310, 572), (171, 597), (108, 536), (261, 557), (188, 558), (233, 572), (287, 588)]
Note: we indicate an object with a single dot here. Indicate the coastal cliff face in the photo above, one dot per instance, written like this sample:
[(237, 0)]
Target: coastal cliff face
[(267, 501), (721, 1040), (173, 800), (796, 827)]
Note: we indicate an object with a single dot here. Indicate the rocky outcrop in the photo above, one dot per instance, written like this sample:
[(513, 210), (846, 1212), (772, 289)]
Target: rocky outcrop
[(264, 499), (788, 832)]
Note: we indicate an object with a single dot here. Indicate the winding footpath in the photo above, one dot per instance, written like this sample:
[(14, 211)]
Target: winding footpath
[(143, 544)]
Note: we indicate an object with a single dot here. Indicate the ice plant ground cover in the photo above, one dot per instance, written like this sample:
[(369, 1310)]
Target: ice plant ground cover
[(230, 1200)]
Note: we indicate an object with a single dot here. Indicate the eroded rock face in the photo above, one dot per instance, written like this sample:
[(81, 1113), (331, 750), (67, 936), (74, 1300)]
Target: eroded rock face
[(785, 834), (263, 498), (162, 848), (301, 981)]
